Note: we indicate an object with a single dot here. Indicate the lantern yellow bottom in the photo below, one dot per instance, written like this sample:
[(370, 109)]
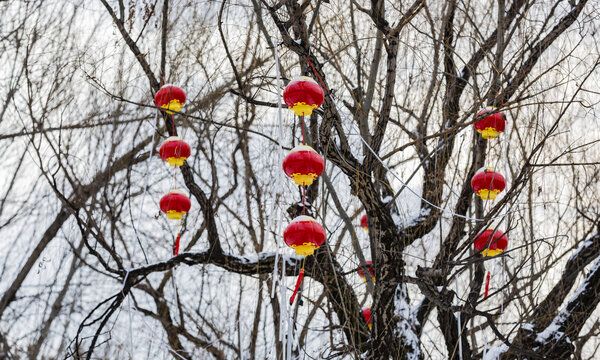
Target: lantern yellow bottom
[(486, 194), (365, 279), (302, 109), (304, 179), (305, 249), (489, 133), (369, 326), (173, 161), (174, 105), (489, 252), (175, 215), (366, 228)]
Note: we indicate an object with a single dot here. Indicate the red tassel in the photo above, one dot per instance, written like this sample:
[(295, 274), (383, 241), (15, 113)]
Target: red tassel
[(176, 245), (487, 284), (298, 283)]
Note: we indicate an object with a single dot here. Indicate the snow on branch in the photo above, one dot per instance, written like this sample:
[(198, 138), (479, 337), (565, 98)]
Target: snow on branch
[(407, 325)]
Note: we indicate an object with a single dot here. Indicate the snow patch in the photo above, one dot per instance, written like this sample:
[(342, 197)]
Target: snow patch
[(552, 332), (423, 214), (361, 159), (405, 328), (528, 326), (494, 353)]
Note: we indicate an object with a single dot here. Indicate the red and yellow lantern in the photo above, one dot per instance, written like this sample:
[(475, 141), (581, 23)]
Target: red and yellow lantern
[(303, 164), (367, 314), (174, 151), (304, 234), (491, 242), (361, 272), (303, 95), (487, 183), (491, 124), (175, 204), (364, 222), (170, 97)]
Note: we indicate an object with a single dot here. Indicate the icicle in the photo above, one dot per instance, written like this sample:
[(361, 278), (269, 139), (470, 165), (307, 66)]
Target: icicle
[(279, 186), (289, 336), (282, 304)]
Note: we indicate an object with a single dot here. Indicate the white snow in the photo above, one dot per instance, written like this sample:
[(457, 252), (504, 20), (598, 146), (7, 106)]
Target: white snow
[(423, 214), (586, 244), (528, 326), (407, 322), (552, 332), (387, 199), (493, 353)]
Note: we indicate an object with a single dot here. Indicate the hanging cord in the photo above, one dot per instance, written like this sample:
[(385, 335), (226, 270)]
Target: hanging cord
[(178, 237), (301, 274), (316, 73), (489, 206), (302, 120)]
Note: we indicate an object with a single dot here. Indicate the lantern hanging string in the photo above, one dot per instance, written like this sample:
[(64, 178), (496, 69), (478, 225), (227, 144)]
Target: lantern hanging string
[(302, 119), (178, 236), (316, 73), (303, 200), (488, 275)]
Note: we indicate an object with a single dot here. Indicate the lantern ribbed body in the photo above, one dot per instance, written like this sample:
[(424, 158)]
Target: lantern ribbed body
[(364, 223), (487, 183), (175, 204), (174, 151), (367, 314), (303, 164), (170, 97), (304, 234), (303, 95), (491, 242), (491, 125)]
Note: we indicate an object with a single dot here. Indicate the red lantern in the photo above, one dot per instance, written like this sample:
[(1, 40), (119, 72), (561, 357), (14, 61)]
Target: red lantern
[(174, 151), (170, 97), (303, 164), (487, 183), (304, 235), (364, 223), (361, 272), (367, 314), (491, 242), (490, 125), (175, 204), (302, 95)]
